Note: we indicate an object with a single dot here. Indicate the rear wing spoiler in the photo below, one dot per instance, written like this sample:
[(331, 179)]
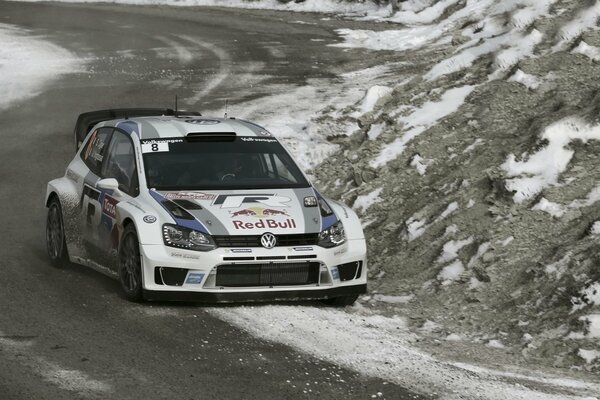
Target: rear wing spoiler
[(86, 121)]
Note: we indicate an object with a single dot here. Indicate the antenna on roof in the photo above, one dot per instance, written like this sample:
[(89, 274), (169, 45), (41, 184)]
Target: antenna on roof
[(225, 116), (176, 109)]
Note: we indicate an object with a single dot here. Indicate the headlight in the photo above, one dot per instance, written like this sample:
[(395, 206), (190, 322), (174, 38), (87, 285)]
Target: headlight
[(185, 238), (332, 236)]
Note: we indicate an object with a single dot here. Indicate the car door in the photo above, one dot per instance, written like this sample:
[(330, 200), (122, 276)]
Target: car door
[(119, 163), (93, 155)]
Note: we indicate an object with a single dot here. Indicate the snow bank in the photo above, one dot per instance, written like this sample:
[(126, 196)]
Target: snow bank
[(537, 171), (29, 63), (589, 355), (422, 119)]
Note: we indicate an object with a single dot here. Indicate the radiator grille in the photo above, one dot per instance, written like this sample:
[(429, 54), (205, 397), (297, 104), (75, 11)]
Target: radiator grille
[(303, 239), (268, 274)]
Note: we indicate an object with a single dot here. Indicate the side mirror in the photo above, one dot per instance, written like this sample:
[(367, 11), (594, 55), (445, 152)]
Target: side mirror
[(109, 184)]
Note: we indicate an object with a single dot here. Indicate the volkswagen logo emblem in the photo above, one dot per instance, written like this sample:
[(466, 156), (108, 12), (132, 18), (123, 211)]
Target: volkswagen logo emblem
[(268, 240)]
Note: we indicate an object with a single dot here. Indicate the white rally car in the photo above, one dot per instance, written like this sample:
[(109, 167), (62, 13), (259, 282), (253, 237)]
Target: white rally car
[(183, 207)]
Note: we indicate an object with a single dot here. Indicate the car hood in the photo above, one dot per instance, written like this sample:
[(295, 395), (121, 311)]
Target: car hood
[(245, 212)]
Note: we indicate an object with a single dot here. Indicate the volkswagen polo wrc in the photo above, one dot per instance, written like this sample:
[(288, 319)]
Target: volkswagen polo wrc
[(183, 207)]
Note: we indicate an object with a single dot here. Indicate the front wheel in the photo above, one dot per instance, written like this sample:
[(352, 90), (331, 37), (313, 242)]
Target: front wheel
[(56, 243), (342, 301), (130, 265)]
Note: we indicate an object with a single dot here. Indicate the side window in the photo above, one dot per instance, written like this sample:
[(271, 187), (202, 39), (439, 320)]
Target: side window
[(120, 163), (95, 149)]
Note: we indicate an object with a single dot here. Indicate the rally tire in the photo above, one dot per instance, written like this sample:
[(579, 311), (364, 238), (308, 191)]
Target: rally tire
[(130, 265), (342, 301), (56, 243)]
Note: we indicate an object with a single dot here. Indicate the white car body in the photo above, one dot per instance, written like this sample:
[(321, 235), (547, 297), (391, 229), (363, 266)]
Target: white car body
[(95, 216)]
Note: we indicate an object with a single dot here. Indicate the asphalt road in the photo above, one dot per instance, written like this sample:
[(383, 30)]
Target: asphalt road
[(68, 334)]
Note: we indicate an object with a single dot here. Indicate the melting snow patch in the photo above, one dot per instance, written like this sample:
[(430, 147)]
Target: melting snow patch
[(495, 344), (591, 52), (375, 131), (415, 228), (595, 230), (372, 97), (28, 63), (451, 249), (362, 203), (554, 209), (589, 355), (537, 171), (531, 82), (394, 299), (420, 164), (585, 20), (451, 273), (422, 119)]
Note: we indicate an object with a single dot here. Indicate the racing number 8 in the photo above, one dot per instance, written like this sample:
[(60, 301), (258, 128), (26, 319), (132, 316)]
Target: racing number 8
[(154, 147)]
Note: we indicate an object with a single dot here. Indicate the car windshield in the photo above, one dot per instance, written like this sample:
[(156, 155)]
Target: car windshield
[(216, 162)]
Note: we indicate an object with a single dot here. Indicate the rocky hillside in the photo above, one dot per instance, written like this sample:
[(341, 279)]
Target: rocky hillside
[(476, 172)]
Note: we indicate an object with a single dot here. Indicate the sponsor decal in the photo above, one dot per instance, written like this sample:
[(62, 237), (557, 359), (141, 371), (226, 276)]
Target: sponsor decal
[(341, 251), (237, 200), (152, 141), (194, 278), (109, 206), (241, 250), (185, 256), (289, 223), (189, 196), (258, 213), (335, 273), (264, 133), (258, 139), (302, 248), (149, 219)]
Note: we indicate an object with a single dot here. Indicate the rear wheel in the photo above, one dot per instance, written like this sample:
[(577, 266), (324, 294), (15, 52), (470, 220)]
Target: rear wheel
[(130, 265), (342, 301), (56, 243)]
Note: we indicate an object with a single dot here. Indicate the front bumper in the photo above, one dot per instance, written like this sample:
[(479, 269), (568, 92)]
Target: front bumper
[(199, 281), (232, 297)]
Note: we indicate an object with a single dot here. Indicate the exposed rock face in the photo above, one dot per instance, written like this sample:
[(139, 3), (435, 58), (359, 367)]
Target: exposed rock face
[(487, 175)]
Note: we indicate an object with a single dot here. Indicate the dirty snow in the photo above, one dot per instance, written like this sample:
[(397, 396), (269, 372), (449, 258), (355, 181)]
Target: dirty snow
[(589, 355), (585, 20), (451, 272), (29, 63), (531, 82), (539, 170), (363, 202), (380, 347), (591, 52), (451, 249), (422, 119), (372, 97), (554, 209)]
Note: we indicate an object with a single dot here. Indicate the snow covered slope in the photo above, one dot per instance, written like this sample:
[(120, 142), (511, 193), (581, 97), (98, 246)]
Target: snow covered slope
[(485, 162)]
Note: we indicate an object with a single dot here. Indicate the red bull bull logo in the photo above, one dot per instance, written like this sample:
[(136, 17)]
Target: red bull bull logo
[(243, 213)]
